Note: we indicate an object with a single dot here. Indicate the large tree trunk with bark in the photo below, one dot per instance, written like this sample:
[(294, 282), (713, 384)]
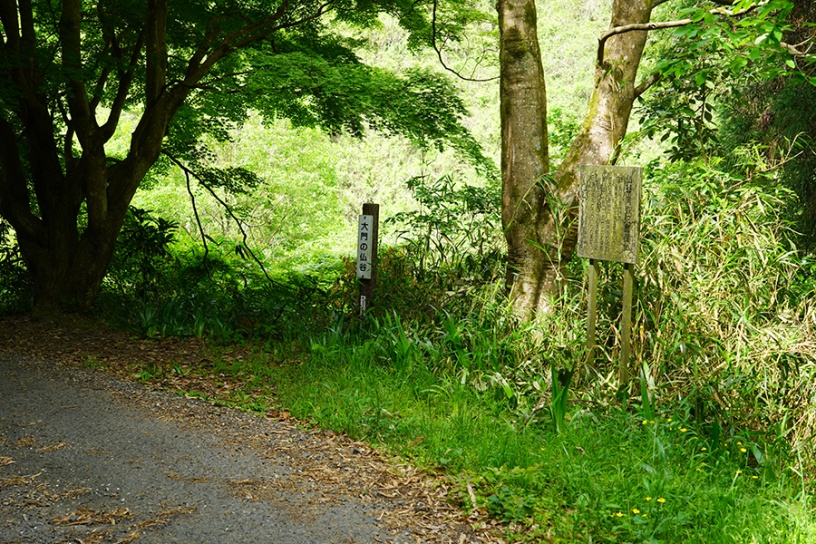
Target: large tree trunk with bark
[(59, 190), (524, 155), (539, 217)]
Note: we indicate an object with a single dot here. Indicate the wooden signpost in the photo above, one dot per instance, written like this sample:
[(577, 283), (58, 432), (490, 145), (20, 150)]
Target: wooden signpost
[(609, 230), (368, 230)]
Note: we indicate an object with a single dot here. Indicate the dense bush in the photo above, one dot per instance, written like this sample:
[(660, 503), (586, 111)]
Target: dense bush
[(15, 285)]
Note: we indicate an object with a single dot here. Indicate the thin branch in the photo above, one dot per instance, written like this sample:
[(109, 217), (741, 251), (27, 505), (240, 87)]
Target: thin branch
[(195, 213), (644, 86), (633, 27), (794, 50), (71, 162), (189, 172), (439, 53), (661, 25), (125, 81)]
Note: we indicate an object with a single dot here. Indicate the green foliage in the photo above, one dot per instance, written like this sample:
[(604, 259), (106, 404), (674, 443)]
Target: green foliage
[(612, 477), (720, 276), (748, 32), (772, 127), (714, 444), (195, 80), (452, 225), (712, 437), (15, 284), (560, 390), (706, 66), (142, 253)]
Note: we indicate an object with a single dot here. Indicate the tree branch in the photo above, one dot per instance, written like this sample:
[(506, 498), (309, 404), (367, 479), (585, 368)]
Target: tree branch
[(439, 52), (71, 41), (156, 50), (27, 24), (14, 198), (199, 65), (245, 236), (665, 24), (125, 81), (68, 141), (794, 50), (644, 85), (8, 16)]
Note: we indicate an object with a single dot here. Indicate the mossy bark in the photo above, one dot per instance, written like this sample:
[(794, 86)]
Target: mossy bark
[(524, 145), (539, 217)]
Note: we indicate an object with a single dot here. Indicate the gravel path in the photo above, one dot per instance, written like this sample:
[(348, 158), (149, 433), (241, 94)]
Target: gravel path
[(87, 457)]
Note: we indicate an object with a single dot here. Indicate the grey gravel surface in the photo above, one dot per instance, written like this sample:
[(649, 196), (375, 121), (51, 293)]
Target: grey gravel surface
[(82, 461)]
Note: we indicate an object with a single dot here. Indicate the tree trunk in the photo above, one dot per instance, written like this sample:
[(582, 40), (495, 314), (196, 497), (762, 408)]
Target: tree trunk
[(540, 224), (525, 155), (67, 239)]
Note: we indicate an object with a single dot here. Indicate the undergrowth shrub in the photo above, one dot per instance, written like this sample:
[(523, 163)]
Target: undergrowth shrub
[(724, 313), (725, 309), (142, 256), (721, 327), (15, 284), (162, 286)]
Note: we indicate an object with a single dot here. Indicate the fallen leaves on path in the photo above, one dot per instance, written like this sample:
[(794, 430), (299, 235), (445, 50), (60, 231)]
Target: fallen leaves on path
[(329, 465), (84, 516)]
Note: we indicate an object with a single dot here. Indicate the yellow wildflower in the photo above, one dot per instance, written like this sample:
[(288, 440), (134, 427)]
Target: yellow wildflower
[(648, 499), (635, 511), (661, 500)]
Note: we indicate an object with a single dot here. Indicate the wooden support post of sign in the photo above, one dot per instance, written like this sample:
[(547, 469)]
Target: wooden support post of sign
[(609, 230), (367, 241), (626, 333), (592, 312)]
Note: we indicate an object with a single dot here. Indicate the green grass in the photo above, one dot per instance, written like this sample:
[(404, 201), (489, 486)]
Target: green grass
[(609, 476), (440, 374)]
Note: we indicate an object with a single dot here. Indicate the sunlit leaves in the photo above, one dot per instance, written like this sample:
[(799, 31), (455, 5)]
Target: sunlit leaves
[(749, 32)]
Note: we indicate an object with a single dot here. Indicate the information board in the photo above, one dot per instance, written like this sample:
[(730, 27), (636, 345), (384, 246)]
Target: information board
[(609, 213)]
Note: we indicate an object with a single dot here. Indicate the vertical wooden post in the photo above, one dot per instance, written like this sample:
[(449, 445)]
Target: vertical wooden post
[(626, 325), (592, 312), (368, 284)]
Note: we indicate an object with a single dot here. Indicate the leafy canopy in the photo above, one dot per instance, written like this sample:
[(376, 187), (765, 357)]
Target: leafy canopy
[(282, 58)]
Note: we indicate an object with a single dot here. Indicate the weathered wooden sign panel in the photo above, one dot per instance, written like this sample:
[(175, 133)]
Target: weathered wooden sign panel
[(609, 213), (365, 244)]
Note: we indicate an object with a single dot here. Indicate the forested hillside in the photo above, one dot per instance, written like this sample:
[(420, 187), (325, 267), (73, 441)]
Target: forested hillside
[(242, 231)]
